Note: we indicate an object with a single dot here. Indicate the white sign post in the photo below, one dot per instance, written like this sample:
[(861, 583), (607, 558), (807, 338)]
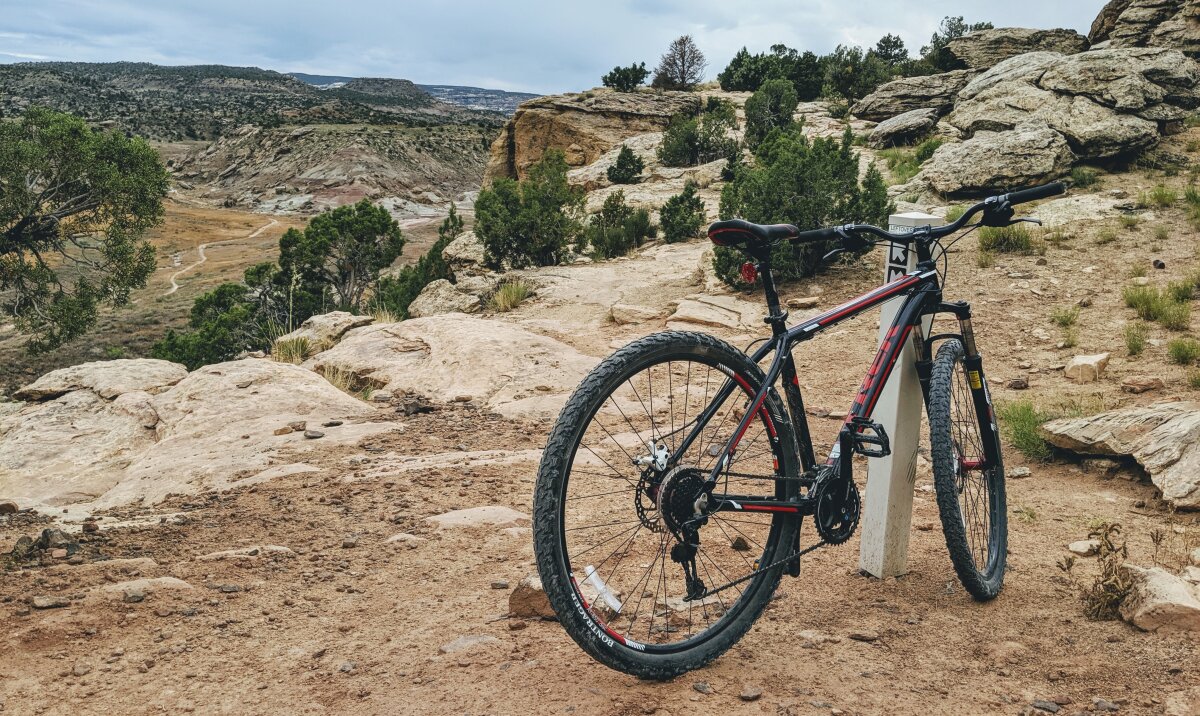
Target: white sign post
[(887, 510)]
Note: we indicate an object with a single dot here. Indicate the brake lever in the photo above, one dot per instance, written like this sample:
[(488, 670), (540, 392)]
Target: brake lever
[(1027, 220), (832, 255)]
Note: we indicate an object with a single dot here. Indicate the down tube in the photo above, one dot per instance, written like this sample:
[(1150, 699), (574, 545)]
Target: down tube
[(907, 318)]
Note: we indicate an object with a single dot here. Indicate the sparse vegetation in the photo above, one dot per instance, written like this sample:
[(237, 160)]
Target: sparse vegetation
[(291, 350), (985, 259), (395, 294), (1135, 338), (1014, 239), (1070, 337), (690, 141), (1193, 380), (954, 213), (1020, 420), (510, 294), (1160, 196), (1130, 221), (1084, 177), (771, 106), (1183, 351), (681, 67), (616, 229), (1106, 236), (1102, 599), (1147, 301), (1065, 316), (1181, 291)]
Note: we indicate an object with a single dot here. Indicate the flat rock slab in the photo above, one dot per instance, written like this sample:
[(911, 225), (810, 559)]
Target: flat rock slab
[(327, 328), (703, 311), (143, 587), (1163, 437), (108, 379), (1159, 600), (494, 516), (253, 552)]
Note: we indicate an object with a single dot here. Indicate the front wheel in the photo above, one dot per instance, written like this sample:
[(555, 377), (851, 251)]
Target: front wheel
[(968, 473), (619, 483)]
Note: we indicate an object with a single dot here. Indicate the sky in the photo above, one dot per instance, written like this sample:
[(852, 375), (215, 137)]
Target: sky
[(538, 46)]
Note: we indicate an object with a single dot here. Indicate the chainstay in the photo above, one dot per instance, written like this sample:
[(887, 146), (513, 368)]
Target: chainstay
[(760, 570)]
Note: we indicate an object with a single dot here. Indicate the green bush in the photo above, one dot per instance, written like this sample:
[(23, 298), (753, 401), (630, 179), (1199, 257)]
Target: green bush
[(1147, 301), (746, 72), (1019, 421), (617, 229), (627, 168), (807, 182), (1183, 351), (690, 141), (771, 106), (682, 215), (531, 222), (1135, 338), (626, 79), (853, 74), (1175, 316)]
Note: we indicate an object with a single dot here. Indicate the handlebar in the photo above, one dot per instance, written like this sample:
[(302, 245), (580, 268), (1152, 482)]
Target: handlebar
[(998, 212)]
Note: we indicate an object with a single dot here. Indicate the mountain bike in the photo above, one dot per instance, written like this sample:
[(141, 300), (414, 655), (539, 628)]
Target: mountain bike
[(672, 489)]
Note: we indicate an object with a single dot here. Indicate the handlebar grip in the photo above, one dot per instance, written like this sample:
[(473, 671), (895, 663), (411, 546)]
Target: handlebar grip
[(1038, 192), (827, 234)]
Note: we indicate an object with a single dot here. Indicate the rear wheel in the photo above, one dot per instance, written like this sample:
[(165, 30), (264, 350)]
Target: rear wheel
[(609, 506), (970, 491)]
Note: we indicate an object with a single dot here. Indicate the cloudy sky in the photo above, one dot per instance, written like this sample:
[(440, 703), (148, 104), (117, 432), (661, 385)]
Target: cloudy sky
[(527, 45)]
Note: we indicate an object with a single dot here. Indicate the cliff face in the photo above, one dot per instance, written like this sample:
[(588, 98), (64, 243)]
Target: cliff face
[(1150, 23), (584, 126)]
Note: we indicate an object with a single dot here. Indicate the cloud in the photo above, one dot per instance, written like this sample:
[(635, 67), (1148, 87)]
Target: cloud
[(539, 46)]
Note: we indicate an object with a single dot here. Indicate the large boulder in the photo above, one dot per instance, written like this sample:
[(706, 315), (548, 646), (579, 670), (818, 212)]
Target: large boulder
[(903, 128), (108, 379), (584, 126), (465, 255), (595, 175), (327, 328), (457, 357), (1030, 154), (909, 93), (983, 49), (440, 297), (1149, 23), (1163, 437)]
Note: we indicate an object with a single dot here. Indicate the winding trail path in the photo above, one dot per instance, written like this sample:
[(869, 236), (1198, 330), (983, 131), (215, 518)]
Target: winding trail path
[(200, 250)]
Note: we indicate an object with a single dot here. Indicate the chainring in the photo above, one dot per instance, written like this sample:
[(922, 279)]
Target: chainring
[(838, 510)]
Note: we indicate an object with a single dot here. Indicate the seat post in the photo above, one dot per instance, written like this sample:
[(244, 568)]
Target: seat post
[(775, 315)]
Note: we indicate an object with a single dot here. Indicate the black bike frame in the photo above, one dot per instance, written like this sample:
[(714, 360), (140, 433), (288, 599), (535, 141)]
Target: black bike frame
[(922, 294)]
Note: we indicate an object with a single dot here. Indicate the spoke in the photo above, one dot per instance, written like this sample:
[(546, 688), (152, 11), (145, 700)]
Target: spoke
[(602, 494), (606, 524), (573, 557)]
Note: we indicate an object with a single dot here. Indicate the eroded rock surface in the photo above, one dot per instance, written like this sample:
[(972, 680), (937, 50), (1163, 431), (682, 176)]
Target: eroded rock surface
[(983, 49), (1163, 437), (1154, 23), (108, 379), (909, 93)]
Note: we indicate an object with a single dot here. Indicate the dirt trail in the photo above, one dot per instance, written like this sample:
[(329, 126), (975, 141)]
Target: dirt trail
[(202, 257)]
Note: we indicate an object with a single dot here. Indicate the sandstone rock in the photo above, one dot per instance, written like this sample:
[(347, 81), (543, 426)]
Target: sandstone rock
[(984, 49), (498, 363), (1159, 600), (1084, 548), (1029, 154), (529, 601), (1017, 473), (1141, 384), (253, 552), (440, 297), (136, 590), (326, 329), (1164, 438), (7, 507), (595, 175), (41, 602), (465, 255), (1136, 80), (1149, 23), (623, 313), (702, 311), (108, 379), (584, 125), (904, 128), (493, 516), (408, 540), (909, 93), (1086, 369)]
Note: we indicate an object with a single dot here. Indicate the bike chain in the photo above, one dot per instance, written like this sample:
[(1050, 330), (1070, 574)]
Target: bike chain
[(760, 570)]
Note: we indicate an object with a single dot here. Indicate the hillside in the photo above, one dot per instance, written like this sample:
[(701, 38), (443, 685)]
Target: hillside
[(207, 101), (470, 97)]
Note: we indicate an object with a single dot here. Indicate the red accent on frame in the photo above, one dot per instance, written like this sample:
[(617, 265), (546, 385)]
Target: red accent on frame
[(769, 508), (897, 286)]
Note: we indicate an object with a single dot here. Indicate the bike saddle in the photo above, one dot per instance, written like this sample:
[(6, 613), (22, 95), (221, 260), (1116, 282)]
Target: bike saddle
[(737, 232)]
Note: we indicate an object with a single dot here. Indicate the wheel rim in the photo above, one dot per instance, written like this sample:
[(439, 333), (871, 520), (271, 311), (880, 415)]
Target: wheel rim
[(617, 542), (973, 482)]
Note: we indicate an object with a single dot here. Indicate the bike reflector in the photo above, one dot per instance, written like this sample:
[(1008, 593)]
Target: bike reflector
[(749, 272)]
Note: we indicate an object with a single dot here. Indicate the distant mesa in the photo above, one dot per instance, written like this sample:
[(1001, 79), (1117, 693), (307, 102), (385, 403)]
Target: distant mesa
[(476, 98)]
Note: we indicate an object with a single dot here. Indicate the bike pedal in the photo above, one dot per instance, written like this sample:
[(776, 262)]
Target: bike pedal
[(869, 439)]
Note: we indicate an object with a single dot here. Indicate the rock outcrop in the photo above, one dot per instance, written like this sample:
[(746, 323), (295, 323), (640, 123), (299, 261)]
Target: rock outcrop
[(584, 126), (909, 93), (457, 357), (1163, 437), (903, 128), (108, 379), (1149, 23), (213, 428), (984, 49), (326, 328), (1160, 601), (1030, 154), (440, 297)]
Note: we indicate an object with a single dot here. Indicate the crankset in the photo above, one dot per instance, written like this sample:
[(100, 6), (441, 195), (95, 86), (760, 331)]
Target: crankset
[(837, 509)]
